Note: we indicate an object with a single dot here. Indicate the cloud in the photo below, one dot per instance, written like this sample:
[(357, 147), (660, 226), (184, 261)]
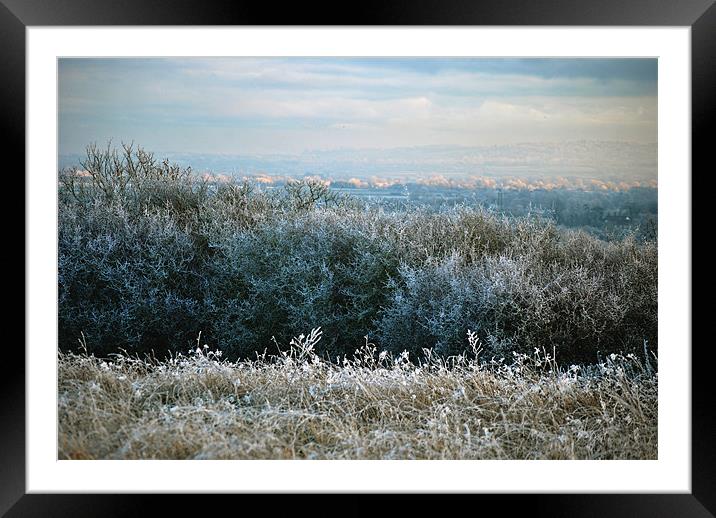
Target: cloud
[(468, 77), (283, 106), (294, 105)]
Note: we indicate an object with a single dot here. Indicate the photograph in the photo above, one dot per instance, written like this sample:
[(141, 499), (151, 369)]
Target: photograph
[(418, 249), (350, 258)]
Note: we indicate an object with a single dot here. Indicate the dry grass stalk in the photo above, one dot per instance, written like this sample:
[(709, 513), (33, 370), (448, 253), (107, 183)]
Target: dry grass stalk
[(372, 406)]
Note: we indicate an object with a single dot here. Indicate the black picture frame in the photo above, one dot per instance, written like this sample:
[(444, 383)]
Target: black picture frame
[(700, 15)]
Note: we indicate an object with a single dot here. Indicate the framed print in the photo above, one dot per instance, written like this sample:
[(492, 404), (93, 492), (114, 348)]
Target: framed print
[(434, 251)]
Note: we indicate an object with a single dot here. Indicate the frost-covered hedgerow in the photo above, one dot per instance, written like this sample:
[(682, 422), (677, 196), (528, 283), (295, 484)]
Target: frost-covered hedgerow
[(149, 256)]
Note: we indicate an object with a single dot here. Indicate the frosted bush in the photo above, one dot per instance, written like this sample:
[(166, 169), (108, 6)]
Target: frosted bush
[(149, 256)]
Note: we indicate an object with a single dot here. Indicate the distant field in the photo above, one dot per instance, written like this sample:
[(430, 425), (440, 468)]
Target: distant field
[(371, 407)]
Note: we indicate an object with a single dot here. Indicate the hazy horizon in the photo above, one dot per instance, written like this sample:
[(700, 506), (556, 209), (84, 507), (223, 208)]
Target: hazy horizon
[(371, 117)]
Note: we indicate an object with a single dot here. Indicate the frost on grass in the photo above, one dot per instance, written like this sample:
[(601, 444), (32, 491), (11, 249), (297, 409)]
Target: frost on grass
[(371, 405)]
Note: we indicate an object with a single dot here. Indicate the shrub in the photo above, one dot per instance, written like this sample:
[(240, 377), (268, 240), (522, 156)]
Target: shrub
[(150, 255), (580, 305), (127, 282), (293, 273)]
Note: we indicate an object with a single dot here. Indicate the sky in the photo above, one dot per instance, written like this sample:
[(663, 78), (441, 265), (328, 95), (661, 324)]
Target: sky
[(261, 107)]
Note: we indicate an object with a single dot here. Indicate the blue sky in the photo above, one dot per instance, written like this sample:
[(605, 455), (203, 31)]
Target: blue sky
[(298, 105)]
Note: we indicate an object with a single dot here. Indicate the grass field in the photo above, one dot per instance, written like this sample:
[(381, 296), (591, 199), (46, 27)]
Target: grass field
[(372, 406)]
